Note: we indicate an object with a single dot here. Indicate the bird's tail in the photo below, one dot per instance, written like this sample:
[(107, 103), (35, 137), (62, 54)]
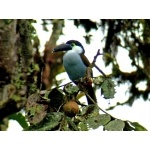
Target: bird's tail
[(91, 93)]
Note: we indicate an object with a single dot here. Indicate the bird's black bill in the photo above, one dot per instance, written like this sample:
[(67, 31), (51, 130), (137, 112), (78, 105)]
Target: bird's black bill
[(62, 47)]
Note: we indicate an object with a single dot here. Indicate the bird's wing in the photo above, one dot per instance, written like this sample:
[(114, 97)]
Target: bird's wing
[(86, 63), (85, 60)]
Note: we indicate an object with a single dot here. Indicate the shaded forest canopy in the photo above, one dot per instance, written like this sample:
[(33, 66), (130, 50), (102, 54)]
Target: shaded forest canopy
[(25, 74)]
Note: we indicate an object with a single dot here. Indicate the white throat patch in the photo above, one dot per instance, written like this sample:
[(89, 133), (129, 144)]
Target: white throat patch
[(77, 49)]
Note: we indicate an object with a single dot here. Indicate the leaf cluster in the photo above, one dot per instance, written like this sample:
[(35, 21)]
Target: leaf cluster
[(45, 113)]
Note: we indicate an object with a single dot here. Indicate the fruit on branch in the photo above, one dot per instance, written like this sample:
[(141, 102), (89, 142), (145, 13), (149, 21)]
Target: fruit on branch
[(71, 108)]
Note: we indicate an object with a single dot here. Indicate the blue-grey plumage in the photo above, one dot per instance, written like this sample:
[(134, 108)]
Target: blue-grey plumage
[(73, 65)]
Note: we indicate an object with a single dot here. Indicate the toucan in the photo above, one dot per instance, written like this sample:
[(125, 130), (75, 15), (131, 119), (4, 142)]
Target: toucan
[(75, 64)]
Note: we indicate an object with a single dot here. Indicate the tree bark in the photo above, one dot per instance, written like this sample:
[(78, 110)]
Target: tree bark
[(8, 55), (15, 58)]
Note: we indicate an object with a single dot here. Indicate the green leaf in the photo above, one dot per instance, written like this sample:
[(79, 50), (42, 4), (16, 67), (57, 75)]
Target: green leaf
[(88, 118), (90, 111), (91, 118), (108, 89), (50, 122), (20, 119), (133, 126), (99, 120), (98, 80), (115, 125), (92, 123), (138, 127), (104, 119), (83, 126), (35, 111), (72, 124), (128, 126), (71, 89)]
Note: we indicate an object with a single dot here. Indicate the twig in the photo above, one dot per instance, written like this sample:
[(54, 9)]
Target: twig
[(100, 70), (94, 61), (64, 84), (97, 104), (44, 91), (79, 103), (60, 107), (95, 57), (94, 101), (41, 78)]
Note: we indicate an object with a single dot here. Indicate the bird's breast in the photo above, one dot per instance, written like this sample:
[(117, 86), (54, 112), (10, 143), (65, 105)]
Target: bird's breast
[(74, 65)]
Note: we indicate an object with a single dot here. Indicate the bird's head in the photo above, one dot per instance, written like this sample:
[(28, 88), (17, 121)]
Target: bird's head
[(70, 45)]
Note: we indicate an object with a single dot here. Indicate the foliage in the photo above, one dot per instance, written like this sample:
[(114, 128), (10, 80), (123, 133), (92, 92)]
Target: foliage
[(88, 118), (20, 119), (107, 86)]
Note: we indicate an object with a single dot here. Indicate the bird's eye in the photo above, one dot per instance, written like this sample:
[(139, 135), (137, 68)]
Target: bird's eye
[(72, 44)]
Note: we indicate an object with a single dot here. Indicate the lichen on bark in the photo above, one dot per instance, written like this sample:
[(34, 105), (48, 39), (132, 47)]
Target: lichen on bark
[(8, 56), (15, 59)]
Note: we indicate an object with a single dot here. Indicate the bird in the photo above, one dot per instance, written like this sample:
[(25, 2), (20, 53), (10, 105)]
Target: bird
[(75, 64)]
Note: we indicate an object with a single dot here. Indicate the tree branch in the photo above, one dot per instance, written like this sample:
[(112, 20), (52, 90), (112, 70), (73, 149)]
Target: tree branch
[(94, 63)]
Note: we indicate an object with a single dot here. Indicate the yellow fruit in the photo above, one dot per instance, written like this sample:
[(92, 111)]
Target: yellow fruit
[(71, 108)]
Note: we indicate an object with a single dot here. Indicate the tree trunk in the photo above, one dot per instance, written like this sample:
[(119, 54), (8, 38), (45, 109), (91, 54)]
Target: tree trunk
[(15, 58)]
